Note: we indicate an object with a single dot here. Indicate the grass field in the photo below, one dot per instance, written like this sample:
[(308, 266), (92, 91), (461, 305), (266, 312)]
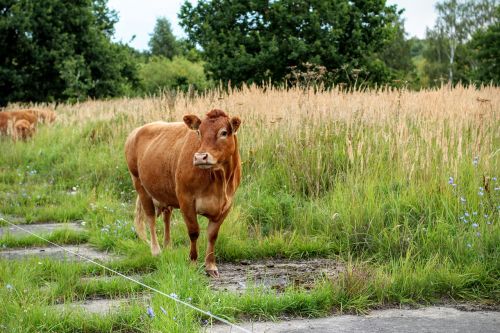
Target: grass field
[(399, 186)]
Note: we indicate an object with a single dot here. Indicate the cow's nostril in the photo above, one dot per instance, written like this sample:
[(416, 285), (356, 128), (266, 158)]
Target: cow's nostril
[(205, 157)]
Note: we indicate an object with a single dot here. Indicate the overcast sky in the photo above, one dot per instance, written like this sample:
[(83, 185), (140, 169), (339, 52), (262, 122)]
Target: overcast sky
[(138, 18)]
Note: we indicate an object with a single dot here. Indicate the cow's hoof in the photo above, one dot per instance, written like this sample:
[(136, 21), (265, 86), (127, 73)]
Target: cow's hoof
[(213, 273), (155, 252)]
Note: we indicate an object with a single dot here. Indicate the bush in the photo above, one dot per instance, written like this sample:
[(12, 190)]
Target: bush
[(179, 73)]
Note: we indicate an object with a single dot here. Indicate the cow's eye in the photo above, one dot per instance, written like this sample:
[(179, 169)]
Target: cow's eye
[(223, 133)]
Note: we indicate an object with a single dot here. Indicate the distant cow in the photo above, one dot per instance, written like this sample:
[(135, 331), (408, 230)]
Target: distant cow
[(194, 166), (8, 120), (23, 130)]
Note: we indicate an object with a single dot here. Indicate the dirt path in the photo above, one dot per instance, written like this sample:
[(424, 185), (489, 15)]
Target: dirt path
[(431, 319), (274, 274)]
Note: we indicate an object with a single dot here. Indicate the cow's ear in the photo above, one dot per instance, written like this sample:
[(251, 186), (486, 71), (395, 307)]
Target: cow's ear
[(192, 121), (235, 124)]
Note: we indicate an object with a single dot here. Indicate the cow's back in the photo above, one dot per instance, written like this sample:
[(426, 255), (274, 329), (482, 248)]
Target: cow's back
[(27, 115), (152, 153)]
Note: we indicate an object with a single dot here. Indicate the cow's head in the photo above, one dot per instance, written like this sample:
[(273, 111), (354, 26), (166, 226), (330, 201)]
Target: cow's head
[(217, 135)]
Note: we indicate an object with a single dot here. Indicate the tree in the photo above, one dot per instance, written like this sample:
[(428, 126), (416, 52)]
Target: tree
[(396, 54), (254, 41), (457, 22), (53, 50), (163, 42), (486, 52)]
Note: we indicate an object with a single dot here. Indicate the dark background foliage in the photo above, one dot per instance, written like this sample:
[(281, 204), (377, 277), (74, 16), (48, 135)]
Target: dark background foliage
[(54, 50)]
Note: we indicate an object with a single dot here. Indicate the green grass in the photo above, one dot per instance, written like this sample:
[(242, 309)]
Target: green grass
[(397, 228)]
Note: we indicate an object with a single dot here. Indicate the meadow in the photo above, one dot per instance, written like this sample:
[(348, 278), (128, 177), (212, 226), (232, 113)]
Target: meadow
[(399, 186)]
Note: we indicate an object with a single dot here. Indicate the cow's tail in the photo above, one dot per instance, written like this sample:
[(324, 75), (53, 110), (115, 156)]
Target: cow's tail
[(140, 220)]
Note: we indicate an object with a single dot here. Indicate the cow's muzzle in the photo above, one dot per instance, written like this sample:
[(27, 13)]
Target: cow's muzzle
[(203, 160)]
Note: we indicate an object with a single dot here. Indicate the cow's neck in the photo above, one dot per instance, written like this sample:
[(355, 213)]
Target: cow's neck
[(225, 174)]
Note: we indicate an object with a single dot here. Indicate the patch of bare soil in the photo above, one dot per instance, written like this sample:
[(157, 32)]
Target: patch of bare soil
[(274, 274)]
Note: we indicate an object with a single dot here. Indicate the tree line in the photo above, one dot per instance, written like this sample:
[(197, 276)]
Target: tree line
[(52, 50)]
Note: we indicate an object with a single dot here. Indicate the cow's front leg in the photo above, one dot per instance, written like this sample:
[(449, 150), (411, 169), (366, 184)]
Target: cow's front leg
[(212, 232), (189, 214)]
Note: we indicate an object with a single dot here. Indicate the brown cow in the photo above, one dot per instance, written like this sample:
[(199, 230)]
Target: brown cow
[(12, 117), (23, 130), (194, 166)]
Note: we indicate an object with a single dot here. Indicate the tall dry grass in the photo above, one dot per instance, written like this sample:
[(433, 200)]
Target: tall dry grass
[(443, 124)]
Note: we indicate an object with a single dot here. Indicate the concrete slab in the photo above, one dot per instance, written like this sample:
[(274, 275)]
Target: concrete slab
[(39, 228), (57, 253), (431, 319), (103, 306)]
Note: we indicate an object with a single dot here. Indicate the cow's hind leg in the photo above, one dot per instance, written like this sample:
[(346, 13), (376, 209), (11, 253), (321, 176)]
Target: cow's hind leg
[(167, 213), (139, 223), (149, 211)]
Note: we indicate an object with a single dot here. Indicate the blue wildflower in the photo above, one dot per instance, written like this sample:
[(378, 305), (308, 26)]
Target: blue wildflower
[(150, 312), (173, 295), (480, 193), (451, 181), (9, 286), (474, 213), (469, 245), (494, 179), (478, 234), (475, 225), (466, 214), (475, 161), (462, 200), (486, 216)]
